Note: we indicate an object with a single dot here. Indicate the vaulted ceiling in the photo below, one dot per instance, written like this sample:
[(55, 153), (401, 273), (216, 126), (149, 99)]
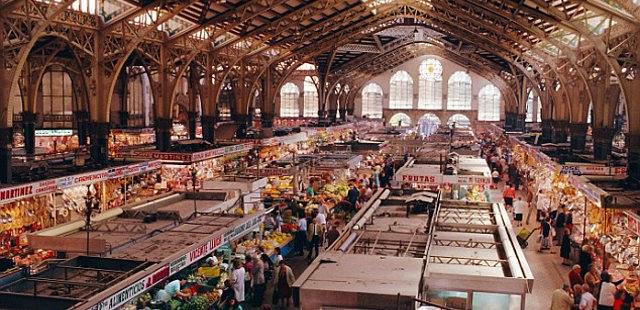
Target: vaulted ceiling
[(506, 39)]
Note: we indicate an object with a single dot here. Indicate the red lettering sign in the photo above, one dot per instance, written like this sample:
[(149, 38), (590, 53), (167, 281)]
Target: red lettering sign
[(199, 252), (157, 276)]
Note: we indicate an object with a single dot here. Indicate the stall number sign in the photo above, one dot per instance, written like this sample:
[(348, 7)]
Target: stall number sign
[(133, 290), (196, 254)]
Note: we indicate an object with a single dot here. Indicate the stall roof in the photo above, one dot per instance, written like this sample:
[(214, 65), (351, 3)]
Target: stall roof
[(171, 250), (66, 283), (383, 275), (474, 243)]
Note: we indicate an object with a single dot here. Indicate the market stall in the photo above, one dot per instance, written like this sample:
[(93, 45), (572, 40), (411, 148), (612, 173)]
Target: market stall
[(460, 177), (178, 167), (35, 206), (606, 225), (175, 254), (48, 142), (123, 140)]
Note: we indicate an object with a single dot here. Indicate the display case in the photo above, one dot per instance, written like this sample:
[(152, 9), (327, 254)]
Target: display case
[(125, 139)]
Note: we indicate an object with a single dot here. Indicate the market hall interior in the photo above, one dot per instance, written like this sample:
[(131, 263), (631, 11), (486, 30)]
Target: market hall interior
[(259, 154)]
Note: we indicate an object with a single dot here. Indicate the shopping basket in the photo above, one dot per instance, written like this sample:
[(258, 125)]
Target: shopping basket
[(523, 236)]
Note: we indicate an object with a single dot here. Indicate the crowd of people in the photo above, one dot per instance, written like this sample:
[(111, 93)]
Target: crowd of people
[(588, 287), (249, 279), (315, 231)]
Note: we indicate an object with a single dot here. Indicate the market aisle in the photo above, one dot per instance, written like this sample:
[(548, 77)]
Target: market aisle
[(298, 264), (547, 268), (548, 272)]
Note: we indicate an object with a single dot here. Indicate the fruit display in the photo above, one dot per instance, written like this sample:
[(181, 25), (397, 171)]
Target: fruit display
[(271, 241), (338, 189)]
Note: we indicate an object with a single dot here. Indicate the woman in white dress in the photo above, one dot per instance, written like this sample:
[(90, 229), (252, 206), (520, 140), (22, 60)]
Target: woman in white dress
[(238, 280)]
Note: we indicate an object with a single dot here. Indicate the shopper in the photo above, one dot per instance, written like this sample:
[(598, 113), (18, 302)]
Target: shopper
[(545, 237), (574, 276), (259, 281), (268, 266), (228, 293), (592, 278), (495, 175), (248, 269), (558, 224), (269, 223), (332, 234), (508, 194), (314, 237), (606, 297), (541, 207), (238, 280), (577, 296), (321, 219), (283, 283), (277, 252), (585, 259), (301, 235), (353, 194), (587, 300), (561, 298), (233, 304), (519, 207), (565, 247)]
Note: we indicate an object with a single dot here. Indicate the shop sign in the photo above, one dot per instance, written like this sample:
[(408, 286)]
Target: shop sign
[(580, 169), (176, 157), (266, 172), (222, 151), (619, 170), (466, 179), (430, 179), (294, 138), (269, 141), (242, 228), (195, 254), (123, 296), (592, 192), (51, 185), (53, 132)]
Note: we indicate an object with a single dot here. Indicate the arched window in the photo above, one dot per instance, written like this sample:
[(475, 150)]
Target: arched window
[(489, 103), (539, 117), (589, 117), (372, 101), (400, 120), (139, 97), (310, 97), (289, 94), (459, 91), (459, 120), (401, 91), (57, 99), (430, 85), (428, 124), (529, 117)]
